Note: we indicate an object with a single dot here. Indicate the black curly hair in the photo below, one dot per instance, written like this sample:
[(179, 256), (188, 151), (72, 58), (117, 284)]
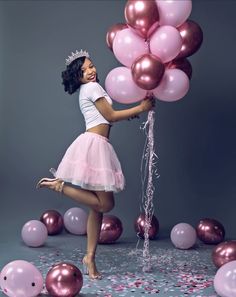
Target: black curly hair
[(72, 75)]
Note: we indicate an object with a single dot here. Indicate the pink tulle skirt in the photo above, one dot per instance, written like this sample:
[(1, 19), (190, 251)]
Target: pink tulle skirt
[(91, 163)]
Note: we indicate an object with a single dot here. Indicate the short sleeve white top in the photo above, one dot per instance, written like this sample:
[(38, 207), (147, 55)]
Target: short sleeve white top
[(88, 94)]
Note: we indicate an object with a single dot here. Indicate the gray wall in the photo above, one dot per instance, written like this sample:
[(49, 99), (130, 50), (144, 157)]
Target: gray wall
[(195, 137)]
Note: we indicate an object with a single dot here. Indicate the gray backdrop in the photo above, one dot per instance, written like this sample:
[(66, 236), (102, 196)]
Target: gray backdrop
[(195, 137)]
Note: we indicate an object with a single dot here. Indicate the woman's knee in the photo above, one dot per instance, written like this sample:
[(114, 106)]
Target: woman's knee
[(106, 202)]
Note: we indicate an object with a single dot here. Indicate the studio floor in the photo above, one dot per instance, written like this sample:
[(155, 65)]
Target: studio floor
[(174, 272)]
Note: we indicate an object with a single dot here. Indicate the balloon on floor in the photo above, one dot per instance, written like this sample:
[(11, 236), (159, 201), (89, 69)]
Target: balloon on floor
[(210, 231), (34, 233), (53, 221), (20, 278), (111, 229), (139, 226), (64, 280), (183, 236), (224, 252), (75, 221), (224, 280)]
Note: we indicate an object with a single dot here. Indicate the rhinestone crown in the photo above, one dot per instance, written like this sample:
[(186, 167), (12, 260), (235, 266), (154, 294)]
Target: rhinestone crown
[(76, 55)]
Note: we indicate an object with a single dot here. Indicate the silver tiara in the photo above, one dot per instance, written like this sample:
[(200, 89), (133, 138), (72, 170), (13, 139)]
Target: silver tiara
[(76, 55)]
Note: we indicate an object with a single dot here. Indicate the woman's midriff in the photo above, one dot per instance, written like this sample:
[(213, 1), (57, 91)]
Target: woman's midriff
[(102, 129)]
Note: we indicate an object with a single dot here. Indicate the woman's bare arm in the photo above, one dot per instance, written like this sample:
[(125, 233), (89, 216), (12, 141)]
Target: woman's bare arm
[(113, 115)]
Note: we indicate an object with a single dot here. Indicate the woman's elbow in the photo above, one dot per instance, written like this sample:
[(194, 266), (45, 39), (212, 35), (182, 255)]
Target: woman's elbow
[(112, 117)]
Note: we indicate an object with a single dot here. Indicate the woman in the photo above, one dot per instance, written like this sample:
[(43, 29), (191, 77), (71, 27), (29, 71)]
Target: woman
[(90, 161)]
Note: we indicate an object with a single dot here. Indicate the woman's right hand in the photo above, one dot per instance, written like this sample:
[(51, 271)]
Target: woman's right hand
[(147, 103)]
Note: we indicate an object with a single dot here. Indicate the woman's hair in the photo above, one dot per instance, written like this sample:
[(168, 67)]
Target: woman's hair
[(72, 75)]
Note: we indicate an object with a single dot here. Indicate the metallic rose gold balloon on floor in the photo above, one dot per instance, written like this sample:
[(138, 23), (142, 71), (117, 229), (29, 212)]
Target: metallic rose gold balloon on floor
[(224, 253), (64, 280), (140, 223), (111, 229), (210, 231), (53, 220)]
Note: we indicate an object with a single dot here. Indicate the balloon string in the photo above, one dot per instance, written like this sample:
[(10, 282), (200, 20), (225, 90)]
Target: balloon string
[(148, 169)]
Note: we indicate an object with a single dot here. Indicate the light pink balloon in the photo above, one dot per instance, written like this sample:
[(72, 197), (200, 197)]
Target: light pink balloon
[(224, 281), (21, 279), (75, 221), (174, 12), (173, 86), (166, 43), (34, 233), (127, 46), (120, 86), (183, 236)]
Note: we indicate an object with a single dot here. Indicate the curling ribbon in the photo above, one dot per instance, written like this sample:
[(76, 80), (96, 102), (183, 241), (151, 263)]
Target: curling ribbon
[(147, 171)]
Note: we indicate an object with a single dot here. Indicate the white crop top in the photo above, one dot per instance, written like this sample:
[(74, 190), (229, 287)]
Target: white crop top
[(88, 94)]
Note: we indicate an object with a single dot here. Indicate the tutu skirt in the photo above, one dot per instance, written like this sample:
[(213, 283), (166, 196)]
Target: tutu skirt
[(91, 163)]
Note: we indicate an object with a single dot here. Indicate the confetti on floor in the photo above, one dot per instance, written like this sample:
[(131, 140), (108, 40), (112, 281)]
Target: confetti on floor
[(174, 273)]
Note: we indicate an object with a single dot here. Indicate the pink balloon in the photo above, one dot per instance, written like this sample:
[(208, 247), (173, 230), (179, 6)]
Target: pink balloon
[(166, 43), (121, 87), (21, 279), (224, 281), (111, 33), (174, 13), (173, 86), (34, 233), (183, 236), (127, 46), (75, 221)]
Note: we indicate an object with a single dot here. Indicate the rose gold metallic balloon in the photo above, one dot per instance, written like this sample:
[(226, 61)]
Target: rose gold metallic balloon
[(210, 231), (224, 253), (111, 229), (147, 71), (192, 36), (64, 280), (53, 220), (142, 16), (140, 224), (111, 33), (182, 64)]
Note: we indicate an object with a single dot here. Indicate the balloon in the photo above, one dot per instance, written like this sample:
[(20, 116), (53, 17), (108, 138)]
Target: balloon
[(111, 33), (173, 86), (75, 221), (21, 279), (120, 86), (53, 221), (142, 16), (127, 46), (34, 233), (139, 226), (224, 281), (224, 253), (183, 236), (192, 37), (166, 43), (182, 64), (64, 280), (210, 231), (111, 229), (147, 71), (173, 12)]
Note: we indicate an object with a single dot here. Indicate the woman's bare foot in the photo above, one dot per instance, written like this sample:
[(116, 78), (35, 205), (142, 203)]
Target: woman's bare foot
[(55, 184), (90, 268)]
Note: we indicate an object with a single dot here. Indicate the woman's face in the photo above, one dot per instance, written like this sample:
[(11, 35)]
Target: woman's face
[(89, 72)]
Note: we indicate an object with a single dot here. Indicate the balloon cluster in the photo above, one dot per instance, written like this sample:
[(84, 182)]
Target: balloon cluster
[(34, 233), (153, 46), (21, 278)]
